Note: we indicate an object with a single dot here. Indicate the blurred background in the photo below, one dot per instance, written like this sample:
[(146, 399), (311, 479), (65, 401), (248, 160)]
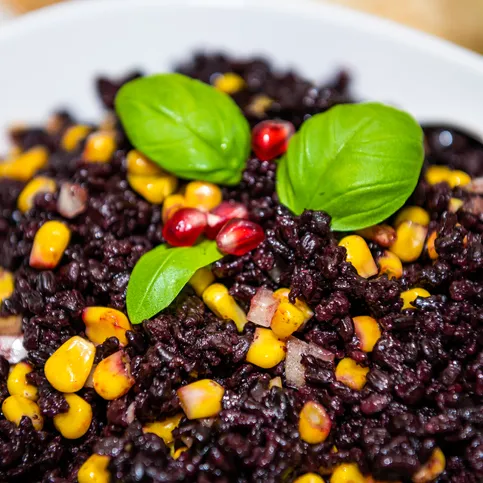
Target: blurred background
[(456, 20)]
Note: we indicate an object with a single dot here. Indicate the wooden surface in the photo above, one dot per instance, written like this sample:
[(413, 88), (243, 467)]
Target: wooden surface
[(457, 20)]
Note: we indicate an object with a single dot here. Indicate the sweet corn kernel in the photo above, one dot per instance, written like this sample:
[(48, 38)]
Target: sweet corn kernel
[(164, 429), (99, 147), (455, 204), (384, 235), (437, 174), (49, 245), (314, 423), (390, 265), (24, 166), (112, 376), (201, 280), (347, 473), (275, 382), (286, 320), (7, 284), (94, 470), (432, 468), (74, 423), (410, 241), (282, 295), (229, 83), (411, 295), (14, 408), (68, 368), (259, 105), (176, 453), (351, 374), (153, 188), (458, 178), (266, 350), (433, 254), (219, 301), (309, 478), (104, 322), (73, 136), (38, 185), (137, 163), (359, 255), (171, 205), (416, 214), (367, 331), (201, 399), (202, 195), (17, 383)]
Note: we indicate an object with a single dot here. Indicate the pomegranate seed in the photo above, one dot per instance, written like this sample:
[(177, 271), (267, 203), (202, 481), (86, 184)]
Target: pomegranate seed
[(238, 237), (184, 227), (219, 215), (270, 138)]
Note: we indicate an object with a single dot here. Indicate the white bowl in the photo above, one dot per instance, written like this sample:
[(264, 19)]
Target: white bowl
[(49, 59)]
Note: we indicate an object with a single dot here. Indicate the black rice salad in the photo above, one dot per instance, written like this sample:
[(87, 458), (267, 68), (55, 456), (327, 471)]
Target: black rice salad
[(303, 354)]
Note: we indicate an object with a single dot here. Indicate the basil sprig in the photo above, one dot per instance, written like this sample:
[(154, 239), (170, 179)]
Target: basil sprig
[(357, 162), (185, 126), (161, 273)]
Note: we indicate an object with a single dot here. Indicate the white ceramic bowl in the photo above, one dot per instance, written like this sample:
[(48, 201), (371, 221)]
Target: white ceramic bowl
[(49, 59)]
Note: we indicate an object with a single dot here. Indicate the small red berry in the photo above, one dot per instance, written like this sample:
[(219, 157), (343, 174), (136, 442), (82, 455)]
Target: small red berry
[(184, 227), (219, 215), (238, 237), (270, 139)]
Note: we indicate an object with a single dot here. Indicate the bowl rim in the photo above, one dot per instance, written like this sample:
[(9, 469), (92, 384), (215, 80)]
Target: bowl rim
[(340, 15)]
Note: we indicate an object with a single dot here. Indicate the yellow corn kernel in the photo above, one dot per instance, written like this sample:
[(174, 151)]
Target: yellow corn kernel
[(99, 147), (201, 280), (432, 468), (74, 423), (176, 453), (458, 178), (73, 136), (275, 382), (455, 204), (94, 470), (411, 295), (219, 301), (259, 105), (202, 195), (415, 214), (229, 83), (7, 284), (437, 174), (153, 188), (282, 295), (433, 254), (309, 478), (410, 241), (266, 350), (384, 235), (367, 331), (17, 383), (24, 166), (104, 322), (164, 429), (49, 245), (68, 368), (359, 255), (286, 320), (201, 399), (112, 377), (14, 408), (351, 374), (390, 265), (314, 423), (347, 473), (41, 184), (137, 163), (171, 205)]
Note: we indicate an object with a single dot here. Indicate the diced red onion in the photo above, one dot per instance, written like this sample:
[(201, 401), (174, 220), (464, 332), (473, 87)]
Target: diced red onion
[(11, 347), (72, 200), (294, 369), (262, 307), (474, 205), (475, 186), (131, 413)]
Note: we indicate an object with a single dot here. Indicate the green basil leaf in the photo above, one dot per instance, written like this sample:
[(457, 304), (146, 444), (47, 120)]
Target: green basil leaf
[(185, 126), (357, 162), (161, 273)]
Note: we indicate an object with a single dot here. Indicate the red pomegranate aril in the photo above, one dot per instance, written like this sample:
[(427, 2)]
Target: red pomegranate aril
[(221, 214), (238, 237), (270, 139), (184, 227)]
